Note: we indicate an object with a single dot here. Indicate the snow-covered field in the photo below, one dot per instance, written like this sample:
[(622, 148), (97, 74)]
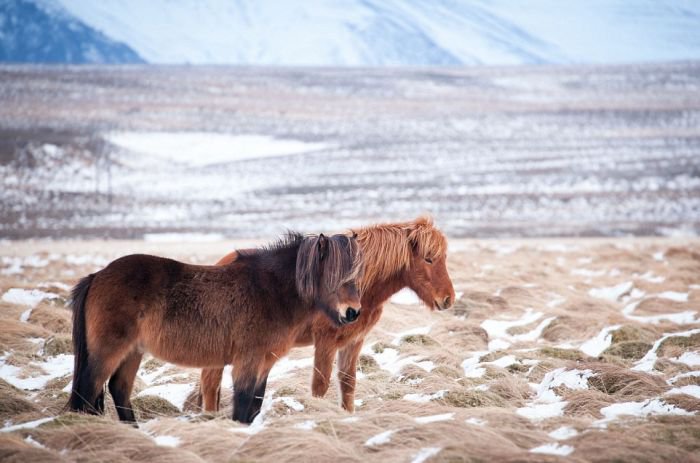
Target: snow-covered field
[(582, 349), (249, 152)]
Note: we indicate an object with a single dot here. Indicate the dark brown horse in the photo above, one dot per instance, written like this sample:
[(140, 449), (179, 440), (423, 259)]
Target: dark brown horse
[(398, 255), (247, 313)]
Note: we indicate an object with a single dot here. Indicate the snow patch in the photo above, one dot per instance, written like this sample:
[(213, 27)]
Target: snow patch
[(380, 439), (435, 418), (611, 293), (638, 409), (562, 433), (425, 453), (406, 296), (595, 346), (167, 441), (26, 297), (198, 149), (28, 424), (646, 363), (553, 449), (176, 394)]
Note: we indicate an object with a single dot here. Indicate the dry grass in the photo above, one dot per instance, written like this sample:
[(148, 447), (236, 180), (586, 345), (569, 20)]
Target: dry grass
[(482, 421)]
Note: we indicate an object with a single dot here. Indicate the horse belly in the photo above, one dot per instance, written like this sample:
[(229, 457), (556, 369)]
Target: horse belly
[(193, 346)]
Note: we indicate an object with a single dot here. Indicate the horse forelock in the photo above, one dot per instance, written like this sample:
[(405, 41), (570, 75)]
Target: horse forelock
[(387, 248), (316, 271)]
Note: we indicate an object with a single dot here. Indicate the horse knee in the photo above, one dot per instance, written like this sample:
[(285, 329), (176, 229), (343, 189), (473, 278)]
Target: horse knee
[(319, 385)]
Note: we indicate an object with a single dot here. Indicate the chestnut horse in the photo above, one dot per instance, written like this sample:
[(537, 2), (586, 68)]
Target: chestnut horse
[(247, 313), (398, 255)]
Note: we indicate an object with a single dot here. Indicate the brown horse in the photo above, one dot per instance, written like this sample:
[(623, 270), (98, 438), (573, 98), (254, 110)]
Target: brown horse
[(398, 255), (247, 313)]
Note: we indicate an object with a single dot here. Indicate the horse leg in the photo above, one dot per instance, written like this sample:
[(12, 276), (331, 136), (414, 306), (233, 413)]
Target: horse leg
[(210, 388), (243, 394), (347, 369), (121, 384), (259, 396), (324, 351)]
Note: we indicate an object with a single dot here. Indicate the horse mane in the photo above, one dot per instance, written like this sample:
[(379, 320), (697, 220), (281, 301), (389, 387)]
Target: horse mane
[(326, 270), (387, 248)]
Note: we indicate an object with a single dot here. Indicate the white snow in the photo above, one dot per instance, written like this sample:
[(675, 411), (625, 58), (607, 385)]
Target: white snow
[(475, 421), (405, 296), (292, 403), (435, 418), (541, 411), (54, 367), (390, 361), (380, 439), (690, 389), (498, 329), (24, 317), (307, 425), (199, 149), (285, 366), (563, 433), (692, 359), (183, 237), (425, 398), (683, 375), (26, 297), (638, 409), (425, 453), (595, 346), (546, 403), (553, 449), (27, 425), (646, 363), (680, 318), (611, 293), (167, 441), (176, 394), (674, 296)]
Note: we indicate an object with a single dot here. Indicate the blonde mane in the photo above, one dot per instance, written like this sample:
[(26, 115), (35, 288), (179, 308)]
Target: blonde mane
[(386, 248)]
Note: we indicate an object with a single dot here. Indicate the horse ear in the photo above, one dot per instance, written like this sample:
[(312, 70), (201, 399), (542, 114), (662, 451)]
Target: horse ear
[(354, 234), (322, 246), (411, 237)]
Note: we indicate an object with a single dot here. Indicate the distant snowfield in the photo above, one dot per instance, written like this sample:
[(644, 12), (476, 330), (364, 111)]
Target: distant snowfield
[(200, 149)]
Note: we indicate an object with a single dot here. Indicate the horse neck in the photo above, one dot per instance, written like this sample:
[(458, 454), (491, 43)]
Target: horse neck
[(378, 292)]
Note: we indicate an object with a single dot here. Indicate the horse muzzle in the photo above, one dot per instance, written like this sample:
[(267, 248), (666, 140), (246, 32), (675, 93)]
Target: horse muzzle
[(351, 315), (443, 304)]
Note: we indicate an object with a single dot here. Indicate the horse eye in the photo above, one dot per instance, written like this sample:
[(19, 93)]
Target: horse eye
[(429, 260)]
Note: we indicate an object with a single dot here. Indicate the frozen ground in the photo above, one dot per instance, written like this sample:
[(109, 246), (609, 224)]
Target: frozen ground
[(541, 359), (249, 152)]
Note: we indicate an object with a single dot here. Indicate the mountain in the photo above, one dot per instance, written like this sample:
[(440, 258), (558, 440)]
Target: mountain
[(33, 31), (396, 32)]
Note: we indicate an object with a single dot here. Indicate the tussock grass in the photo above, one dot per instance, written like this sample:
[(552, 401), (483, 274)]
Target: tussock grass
[(632, 350), (322, 431), (622, 382)]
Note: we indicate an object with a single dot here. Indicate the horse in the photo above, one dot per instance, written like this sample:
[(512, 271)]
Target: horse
[(247, 313), (396, 255)]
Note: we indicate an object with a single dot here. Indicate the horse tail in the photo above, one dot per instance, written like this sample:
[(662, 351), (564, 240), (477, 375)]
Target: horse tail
[(81, 373)]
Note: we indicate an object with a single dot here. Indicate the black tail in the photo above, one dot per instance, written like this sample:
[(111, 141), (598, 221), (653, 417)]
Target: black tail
[(81, 372)]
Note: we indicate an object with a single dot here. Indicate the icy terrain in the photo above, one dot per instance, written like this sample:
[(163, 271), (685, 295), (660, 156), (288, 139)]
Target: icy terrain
[(250, 152)]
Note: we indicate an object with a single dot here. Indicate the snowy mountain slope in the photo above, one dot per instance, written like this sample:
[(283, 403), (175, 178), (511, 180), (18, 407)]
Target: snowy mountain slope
[(41, 32), (398, 32)]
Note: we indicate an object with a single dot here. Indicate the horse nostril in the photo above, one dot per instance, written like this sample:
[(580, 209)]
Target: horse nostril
[(447, 301), (351, 314)]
